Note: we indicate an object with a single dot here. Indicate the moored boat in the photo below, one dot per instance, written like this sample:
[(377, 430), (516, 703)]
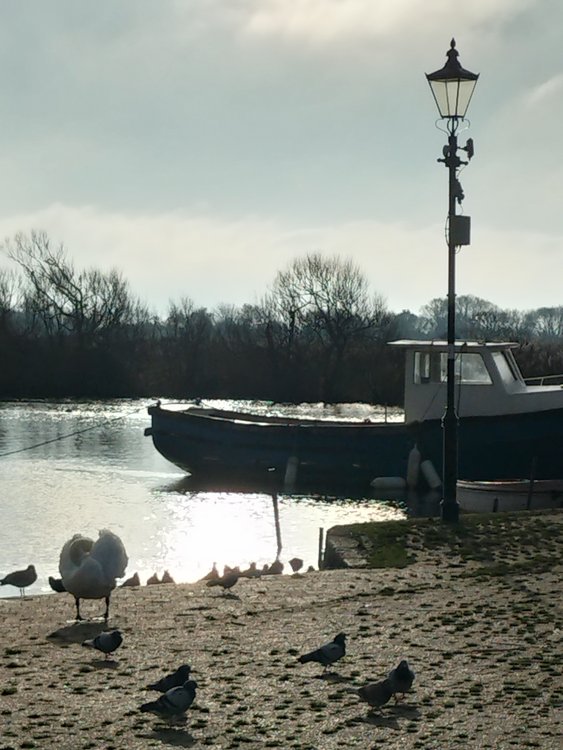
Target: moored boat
[(510, 495), (508, 428)]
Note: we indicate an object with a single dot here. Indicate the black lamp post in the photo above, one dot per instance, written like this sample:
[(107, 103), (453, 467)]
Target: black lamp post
[(452, 87)]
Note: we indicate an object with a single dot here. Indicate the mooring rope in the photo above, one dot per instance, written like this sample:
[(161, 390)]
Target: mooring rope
[(71, 434)]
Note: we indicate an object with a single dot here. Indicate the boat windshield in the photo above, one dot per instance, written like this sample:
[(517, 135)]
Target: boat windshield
[(506, 367), (431, 367), (469, 368)]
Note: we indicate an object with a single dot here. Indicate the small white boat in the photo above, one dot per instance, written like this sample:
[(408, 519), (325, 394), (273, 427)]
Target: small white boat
[(514, 494)]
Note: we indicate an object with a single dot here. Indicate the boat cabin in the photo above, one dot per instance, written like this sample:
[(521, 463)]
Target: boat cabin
[(488, 381)]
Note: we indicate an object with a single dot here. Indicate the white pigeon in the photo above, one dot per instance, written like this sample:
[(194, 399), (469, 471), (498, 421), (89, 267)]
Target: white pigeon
[(174, 702), (89, 569), (106, 642)]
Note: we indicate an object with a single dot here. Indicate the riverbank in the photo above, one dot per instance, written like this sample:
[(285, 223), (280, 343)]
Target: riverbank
[(484, 637)]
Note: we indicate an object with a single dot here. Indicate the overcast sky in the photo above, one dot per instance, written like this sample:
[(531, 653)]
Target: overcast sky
[(199, 146)]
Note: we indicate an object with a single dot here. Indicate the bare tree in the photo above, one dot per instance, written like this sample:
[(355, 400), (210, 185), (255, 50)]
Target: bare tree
[(326, 300), (84, 304)]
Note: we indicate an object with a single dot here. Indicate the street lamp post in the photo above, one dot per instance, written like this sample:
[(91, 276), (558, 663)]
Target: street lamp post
[(452, 87)]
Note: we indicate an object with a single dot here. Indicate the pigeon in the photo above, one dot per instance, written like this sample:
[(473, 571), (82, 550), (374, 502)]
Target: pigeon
[(57, 584), (275, 569), (172, 680), (153, 579), (251, 572), (226, 581), (106, 642), (296, 563), (213, 573), (89, 569), (376, 694), (166, 577), (401, 679), (20, 578), (174, 702), (327, 654), (134, 580)]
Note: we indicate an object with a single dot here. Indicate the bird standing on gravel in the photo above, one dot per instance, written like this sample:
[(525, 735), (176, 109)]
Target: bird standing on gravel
[(133, 580), (106, 642), (172, 680), (173, 703), (401, 679), (226, 581), (56, 584), (20, 578), (328, 654), (89, 569), (376, 694)]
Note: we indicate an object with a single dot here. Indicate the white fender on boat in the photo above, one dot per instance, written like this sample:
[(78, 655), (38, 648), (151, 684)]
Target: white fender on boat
[(291, 471), (430, 474), (388, 483), (413, 467)]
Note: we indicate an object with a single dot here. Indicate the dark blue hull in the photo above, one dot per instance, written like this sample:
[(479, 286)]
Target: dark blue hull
[(204, 442)]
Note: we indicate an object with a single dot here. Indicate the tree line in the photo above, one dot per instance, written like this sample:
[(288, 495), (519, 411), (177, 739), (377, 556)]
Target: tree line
[(317, 334)]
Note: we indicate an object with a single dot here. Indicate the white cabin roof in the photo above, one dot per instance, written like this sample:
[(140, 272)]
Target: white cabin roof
[(460, 346)]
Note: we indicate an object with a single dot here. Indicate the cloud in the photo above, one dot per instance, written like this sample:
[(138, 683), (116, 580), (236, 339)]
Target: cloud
[(215, 260), (329, 20)]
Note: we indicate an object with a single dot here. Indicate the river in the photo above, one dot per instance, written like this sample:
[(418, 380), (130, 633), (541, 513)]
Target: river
[(78, 467)]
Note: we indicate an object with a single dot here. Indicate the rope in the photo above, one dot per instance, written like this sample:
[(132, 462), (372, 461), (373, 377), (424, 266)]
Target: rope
[(70, 434)]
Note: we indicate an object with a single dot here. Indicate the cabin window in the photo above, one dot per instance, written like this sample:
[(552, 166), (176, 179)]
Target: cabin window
[(469, 368), (506, 367), (421, 367)]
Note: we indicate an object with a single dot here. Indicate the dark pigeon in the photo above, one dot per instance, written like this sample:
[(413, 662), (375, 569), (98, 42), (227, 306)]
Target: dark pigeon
[(106, 642), (175, 679), (134, 580), (327, 654), (173, 703), (57, 584), (401, 679), (226, 581), (376, 694)]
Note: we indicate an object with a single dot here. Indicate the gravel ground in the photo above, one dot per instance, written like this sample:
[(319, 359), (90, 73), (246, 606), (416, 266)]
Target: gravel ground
[(487, 651)]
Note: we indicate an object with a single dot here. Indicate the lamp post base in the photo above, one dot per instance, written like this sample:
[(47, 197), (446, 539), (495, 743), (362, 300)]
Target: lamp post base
[(449, 511)]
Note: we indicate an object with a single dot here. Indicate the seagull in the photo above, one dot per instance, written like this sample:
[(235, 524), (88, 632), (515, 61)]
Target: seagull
[(134, 580), (172, 680), (89, 569), (327, 654), (401, 679), (106, 642), (174, 702), (226, 581), (20, 579), (376, 694), (56, 584), (153, 579)]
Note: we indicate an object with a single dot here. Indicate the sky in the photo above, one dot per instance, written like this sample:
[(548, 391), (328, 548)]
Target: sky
[(200, 146)]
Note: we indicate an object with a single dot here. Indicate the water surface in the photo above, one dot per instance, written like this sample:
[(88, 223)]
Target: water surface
[(92, 468)]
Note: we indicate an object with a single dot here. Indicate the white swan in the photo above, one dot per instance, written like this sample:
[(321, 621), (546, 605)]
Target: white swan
[(88, 569)]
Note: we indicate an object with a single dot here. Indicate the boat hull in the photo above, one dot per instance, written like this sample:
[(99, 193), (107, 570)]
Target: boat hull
[(517, 494), (230, 444)]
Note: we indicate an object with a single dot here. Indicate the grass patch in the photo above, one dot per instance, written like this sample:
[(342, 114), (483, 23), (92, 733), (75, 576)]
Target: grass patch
[(501, 543)]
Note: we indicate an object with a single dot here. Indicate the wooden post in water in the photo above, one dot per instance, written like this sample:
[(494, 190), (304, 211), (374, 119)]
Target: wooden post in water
[(320, 557), (277, 522)]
